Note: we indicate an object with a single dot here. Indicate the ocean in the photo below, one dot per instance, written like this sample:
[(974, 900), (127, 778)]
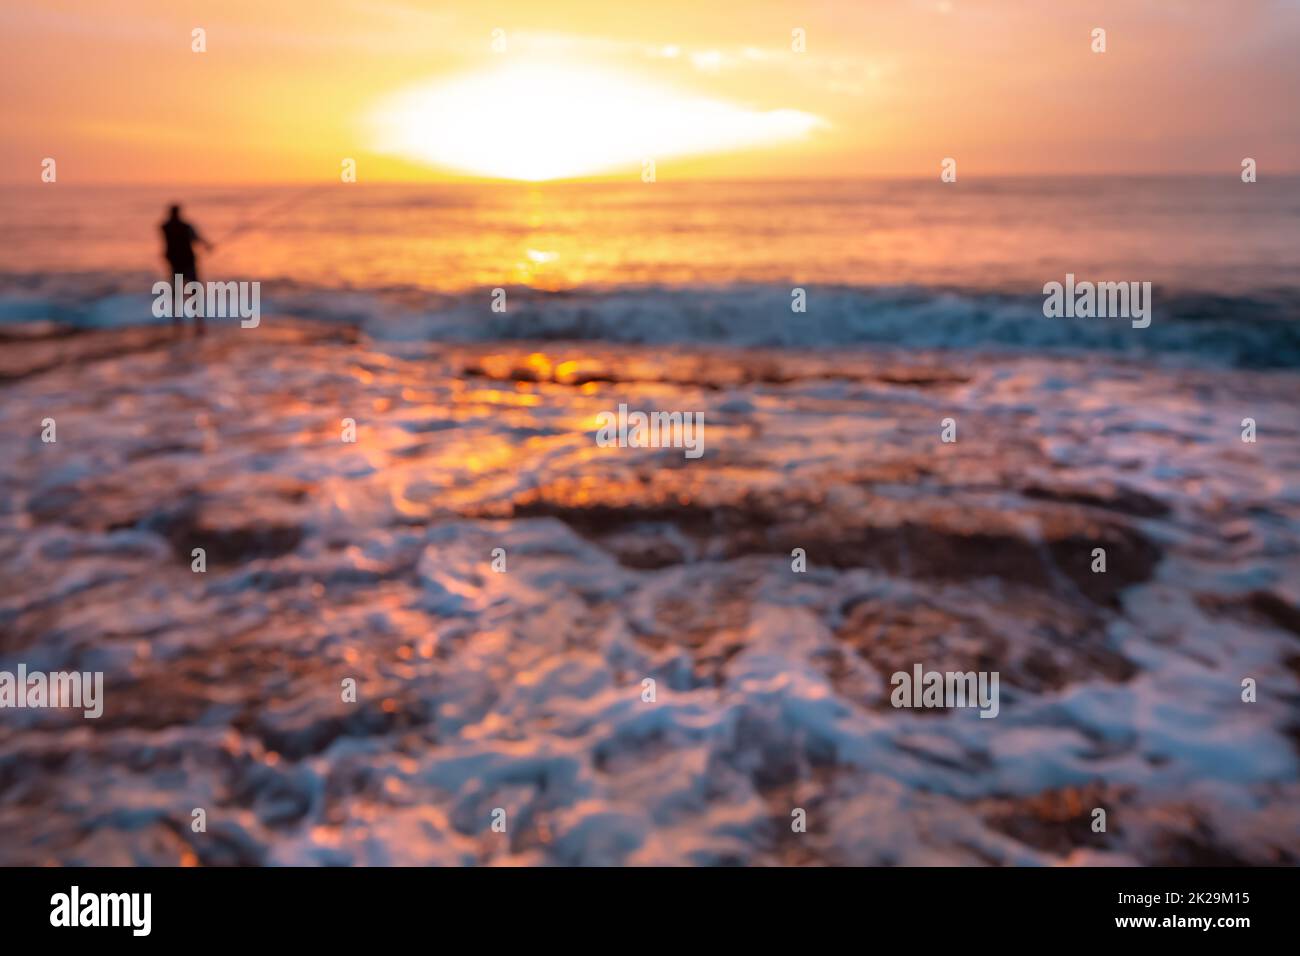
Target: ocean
[(366, 584), (910, 263)]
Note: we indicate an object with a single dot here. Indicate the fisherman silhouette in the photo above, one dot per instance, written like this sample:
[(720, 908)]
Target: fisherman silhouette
[(179, 238)]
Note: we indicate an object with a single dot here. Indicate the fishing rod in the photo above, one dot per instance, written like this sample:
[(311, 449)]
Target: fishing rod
[(268, 215)]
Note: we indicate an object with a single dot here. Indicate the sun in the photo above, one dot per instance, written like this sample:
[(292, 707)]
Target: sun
[(539, 121)]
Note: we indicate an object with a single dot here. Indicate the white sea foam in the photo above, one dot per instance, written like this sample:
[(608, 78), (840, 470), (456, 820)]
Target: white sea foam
[(522, 690)]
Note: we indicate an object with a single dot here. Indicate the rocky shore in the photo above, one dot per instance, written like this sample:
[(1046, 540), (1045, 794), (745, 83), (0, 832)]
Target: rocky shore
[(500, 588)]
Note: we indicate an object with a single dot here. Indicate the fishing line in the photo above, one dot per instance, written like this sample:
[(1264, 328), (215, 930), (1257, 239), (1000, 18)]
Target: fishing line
[(267, 215)]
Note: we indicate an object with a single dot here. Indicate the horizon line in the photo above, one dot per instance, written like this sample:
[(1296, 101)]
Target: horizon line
[(1234, 174)]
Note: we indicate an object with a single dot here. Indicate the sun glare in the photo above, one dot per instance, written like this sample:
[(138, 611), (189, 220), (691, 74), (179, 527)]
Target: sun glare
[(548, 121)]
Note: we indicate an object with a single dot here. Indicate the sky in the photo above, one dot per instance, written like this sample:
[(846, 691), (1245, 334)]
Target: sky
[(286, 90)]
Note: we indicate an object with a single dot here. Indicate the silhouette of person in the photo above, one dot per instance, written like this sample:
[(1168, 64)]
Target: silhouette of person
[(179, 238)]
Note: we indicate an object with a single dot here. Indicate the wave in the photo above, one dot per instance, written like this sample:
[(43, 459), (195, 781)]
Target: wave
[(1259, 330)]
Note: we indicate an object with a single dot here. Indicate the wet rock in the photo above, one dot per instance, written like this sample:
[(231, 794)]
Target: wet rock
[(521, 685)]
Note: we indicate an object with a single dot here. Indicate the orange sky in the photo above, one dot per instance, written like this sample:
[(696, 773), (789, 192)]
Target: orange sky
[(287, 88)]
